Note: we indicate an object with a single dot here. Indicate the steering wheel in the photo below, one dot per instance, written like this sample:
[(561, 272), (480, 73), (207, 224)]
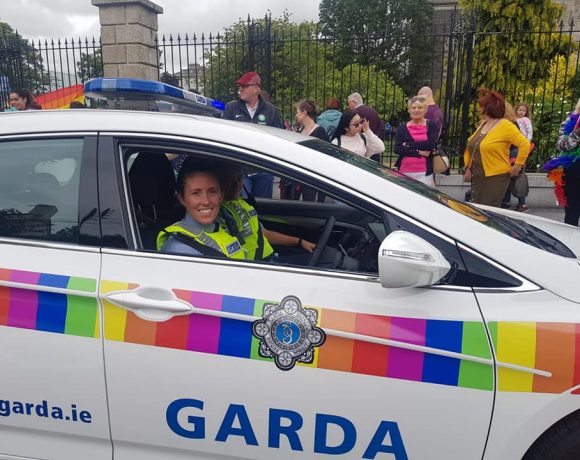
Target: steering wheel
[(322, 241)]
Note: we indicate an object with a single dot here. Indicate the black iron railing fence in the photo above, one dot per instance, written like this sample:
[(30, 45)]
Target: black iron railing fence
[(300, 61), (46, 65)]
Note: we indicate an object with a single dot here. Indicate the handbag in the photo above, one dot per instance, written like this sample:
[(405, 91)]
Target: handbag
[(440, 161), (521, 186)]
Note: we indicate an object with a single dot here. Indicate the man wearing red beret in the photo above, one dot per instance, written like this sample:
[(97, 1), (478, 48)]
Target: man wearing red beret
[(252, 108)]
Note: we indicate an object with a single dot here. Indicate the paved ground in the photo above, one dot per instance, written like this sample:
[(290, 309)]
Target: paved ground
[(549, 213)]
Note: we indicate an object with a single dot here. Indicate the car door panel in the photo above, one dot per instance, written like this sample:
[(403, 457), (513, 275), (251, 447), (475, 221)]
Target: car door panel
[(215, 360), (51, 353), (545, 343), (52, 391)]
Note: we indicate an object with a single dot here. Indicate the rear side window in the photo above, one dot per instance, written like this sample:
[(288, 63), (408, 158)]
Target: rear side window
[(39, 189)]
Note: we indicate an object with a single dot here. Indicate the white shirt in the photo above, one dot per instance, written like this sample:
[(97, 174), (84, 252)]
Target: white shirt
[(252, 110), (355, 144)]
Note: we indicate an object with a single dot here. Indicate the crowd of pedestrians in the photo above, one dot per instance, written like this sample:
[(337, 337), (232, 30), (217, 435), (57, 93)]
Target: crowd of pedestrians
[(494, 157)]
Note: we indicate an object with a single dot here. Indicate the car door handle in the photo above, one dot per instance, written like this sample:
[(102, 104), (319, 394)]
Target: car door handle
[(150, 303)]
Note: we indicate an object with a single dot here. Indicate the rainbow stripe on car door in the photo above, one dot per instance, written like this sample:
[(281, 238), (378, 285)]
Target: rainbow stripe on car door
[(528, 344), (552, 347)]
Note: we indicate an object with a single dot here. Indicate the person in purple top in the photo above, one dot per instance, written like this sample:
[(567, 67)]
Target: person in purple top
[(434, 113), (355, 102)]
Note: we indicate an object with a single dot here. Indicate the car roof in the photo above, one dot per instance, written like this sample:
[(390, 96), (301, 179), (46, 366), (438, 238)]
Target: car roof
[(138, 121)]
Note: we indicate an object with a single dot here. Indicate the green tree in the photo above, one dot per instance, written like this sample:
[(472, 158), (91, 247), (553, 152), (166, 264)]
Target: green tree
[(90, 65), (301, 68), (169, 79), (551, 102), (510, 34), (386, 33), (20, 61)]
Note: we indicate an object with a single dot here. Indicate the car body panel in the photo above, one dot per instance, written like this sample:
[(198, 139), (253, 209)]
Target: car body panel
[(215, 360), (452, 370)]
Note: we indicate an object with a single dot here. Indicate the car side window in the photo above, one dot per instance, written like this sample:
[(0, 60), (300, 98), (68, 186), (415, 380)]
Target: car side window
[(347, 236), (39, 189)]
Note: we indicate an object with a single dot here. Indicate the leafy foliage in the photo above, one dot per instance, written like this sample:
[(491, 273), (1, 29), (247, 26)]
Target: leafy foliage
[(502, 60), (301, 67), (523, 50), (21, 62), (552, 102), (386, 33), (169, 79), (90, 65)]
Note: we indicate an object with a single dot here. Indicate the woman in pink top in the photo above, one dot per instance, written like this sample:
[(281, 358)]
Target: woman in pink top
[(414, 143)]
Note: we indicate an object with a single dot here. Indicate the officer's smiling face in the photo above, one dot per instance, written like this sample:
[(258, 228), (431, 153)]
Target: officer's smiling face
[(202, 197)]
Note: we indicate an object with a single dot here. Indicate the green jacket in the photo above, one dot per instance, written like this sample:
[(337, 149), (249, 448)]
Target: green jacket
[(249, 229), (219, 240)]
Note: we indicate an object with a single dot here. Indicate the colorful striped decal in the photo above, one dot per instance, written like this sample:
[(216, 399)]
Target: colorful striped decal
[(552, 347), (222, 336), (48, 311)]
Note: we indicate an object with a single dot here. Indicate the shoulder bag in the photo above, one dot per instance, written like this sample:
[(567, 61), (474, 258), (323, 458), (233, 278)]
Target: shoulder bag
[(440, 160), (521, 186)]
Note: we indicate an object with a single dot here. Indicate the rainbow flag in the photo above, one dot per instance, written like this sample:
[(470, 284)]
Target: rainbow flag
[(61, 98)]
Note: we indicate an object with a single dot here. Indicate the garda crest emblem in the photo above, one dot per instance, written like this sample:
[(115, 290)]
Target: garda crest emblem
[(288, 333)]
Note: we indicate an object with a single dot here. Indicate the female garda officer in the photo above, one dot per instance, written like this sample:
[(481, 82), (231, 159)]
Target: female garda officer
[(199, 232), (242, 220)]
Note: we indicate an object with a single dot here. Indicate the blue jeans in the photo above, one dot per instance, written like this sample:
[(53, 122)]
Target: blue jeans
[(260, 185)]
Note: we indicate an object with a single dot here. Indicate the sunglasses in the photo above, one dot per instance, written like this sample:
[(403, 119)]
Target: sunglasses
[(356, 124)]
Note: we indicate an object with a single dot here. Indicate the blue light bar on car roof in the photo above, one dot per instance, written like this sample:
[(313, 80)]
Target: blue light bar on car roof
[(133, 89)]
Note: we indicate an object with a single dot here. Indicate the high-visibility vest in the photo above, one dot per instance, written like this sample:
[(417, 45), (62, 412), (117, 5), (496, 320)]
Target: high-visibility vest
[(248, 226), (219, 240)]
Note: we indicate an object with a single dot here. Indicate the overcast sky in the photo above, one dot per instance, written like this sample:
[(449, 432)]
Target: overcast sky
[(72, 18)]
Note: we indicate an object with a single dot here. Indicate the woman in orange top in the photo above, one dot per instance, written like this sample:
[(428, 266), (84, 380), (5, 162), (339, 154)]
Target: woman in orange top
[(487, 153)]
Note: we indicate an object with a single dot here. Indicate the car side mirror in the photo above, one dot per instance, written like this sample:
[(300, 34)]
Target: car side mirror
[(406, 260)]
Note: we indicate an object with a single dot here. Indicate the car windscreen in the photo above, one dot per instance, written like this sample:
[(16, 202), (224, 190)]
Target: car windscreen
[(515, 228)]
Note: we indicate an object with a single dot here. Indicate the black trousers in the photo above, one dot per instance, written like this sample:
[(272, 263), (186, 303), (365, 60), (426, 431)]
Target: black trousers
[(572, 193)]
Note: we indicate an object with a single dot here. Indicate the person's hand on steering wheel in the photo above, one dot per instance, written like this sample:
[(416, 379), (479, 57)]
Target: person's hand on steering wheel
[(308, 246)]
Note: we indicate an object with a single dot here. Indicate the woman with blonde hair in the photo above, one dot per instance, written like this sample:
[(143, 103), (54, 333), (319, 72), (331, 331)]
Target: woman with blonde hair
[(415, 142)]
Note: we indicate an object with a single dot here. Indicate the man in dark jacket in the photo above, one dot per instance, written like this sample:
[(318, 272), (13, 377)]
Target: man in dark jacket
[(252, 108), (355, 102)]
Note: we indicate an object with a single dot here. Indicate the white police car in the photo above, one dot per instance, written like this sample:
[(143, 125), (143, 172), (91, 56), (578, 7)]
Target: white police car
[(427, 329)]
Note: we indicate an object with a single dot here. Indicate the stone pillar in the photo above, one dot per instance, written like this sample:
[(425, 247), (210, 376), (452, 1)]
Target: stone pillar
[(443, 11), (128, 32)]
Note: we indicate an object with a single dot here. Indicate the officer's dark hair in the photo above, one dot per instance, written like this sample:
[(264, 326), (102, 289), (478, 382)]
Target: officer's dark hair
[(229, 175), (194, 165)]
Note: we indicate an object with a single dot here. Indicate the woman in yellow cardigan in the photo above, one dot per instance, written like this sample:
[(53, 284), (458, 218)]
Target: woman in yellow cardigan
[(487, 152)]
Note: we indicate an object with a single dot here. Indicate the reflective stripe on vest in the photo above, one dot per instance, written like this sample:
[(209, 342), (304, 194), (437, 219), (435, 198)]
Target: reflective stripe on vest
[(256, 244), (219, 240)]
